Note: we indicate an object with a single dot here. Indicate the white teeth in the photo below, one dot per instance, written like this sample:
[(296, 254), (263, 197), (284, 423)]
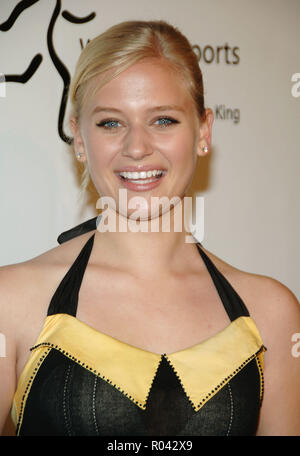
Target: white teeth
[(144, 181), (140, 175)]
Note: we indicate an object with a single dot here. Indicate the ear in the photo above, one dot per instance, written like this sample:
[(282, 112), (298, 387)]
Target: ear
[(205, 132), (78, 142)]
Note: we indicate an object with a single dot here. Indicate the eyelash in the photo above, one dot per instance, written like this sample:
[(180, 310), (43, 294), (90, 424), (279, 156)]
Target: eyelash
[(104, 122), (170, 120)]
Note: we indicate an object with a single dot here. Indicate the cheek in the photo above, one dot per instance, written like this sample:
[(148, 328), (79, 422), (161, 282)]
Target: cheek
[(99, 152), (181, 149)]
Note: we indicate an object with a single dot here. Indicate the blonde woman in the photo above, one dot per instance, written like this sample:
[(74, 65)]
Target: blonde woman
[(138, 332)]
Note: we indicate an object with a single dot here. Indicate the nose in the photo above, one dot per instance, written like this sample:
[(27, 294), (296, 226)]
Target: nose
[(137, 143)]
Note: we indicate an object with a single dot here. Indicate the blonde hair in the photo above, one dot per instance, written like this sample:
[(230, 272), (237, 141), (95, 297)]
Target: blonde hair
[(125, 44)]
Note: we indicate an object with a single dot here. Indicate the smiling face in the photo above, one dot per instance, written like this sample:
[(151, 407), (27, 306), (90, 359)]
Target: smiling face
[(143, 118)]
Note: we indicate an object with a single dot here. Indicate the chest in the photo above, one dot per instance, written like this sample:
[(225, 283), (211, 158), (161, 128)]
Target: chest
[(162, 315)]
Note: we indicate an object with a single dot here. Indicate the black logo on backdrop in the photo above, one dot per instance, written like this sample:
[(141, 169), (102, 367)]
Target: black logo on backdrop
[(223, 112), (37, 59), (208, 54), (219, 54)]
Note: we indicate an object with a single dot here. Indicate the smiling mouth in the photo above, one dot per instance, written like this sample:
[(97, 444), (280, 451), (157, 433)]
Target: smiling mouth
[(142, 177), (141, 181)]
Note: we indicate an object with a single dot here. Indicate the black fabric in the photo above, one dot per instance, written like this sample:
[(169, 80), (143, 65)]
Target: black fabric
[(82, 228), (67, 399), (232, 302), (65, 298), (168, 407)]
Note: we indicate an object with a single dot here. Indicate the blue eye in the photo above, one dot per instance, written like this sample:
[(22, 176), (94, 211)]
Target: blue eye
[(108, 124), (111, 124), (166, 121)]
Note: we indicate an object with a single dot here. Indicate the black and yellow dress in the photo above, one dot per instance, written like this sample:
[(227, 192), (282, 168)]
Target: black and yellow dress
[(79, 381)]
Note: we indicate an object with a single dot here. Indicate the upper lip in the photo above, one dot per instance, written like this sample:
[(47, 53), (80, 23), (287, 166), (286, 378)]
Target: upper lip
[(139, 168)]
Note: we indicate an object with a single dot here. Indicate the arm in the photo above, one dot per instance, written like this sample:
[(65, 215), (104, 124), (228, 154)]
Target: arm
[(280, 412), (7, 349)]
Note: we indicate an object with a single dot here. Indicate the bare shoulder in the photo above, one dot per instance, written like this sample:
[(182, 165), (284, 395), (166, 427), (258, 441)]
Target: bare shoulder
[(271, 304), (276, 312), (16, 277), (25, 292), (27, 287)]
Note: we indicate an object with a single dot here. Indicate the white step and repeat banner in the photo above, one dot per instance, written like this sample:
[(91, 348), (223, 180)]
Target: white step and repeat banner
[(250, 58)]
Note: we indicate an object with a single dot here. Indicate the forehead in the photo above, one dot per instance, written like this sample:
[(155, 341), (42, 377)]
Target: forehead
[(151, 81)]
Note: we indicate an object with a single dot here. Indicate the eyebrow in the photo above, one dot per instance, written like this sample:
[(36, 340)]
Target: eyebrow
[(154, 108)]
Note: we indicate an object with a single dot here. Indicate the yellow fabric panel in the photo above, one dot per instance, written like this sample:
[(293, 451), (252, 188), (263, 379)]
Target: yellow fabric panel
[(126, 366), (260, 365), (25, 381), (201, 368), (209, 365)]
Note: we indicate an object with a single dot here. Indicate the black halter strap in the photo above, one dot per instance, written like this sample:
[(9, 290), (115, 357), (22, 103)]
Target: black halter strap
[(65, 298), (232, 302)]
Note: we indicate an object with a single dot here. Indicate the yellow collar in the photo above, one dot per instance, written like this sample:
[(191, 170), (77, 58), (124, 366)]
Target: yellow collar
[(202, 369)]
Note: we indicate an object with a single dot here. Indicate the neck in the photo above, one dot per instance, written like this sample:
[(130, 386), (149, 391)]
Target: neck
[(147, 248)]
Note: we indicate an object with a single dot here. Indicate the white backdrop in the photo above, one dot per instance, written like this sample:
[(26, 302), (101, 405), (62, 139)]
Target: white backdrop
[(250, 181)]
